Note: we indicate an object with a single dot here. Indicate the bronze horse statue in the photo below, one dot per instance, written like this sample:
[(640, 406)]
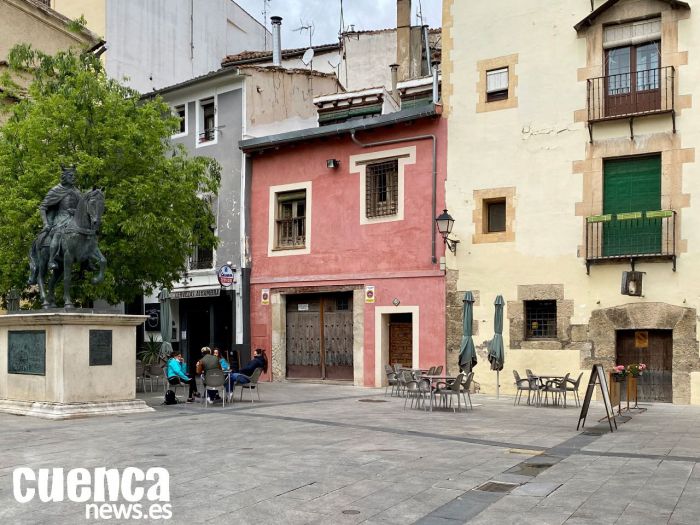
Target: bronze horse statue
[(78, 244)]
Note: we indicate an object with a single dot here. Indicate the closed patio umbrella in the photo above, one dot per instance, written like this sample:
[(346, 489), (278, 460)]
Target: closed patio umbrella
[(467, 352), (496, 352), (165, 324)]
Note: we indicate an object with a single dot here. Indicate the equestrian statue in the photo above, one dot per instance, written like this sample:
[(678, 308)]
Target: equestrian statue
[(72, 221)]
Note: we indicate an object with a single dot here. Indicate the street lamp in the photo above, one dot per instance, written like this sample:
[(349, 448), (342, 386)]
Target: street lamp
[(444, 223)]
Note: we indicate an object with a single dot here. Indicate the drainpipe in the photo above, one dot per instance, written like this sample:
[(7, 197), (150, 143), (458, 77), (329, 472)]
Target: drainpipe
[(410, 139), (394, 81), (276, 40)]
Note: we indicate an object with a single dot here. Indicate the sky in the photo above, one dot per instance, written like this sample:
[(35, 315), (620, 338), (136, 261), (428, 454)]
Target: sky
[(325, 16)]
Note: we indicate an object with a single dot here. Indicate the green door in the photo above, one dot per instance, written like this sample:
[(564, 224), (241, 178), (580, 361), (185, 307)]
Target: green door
[(631, 187)]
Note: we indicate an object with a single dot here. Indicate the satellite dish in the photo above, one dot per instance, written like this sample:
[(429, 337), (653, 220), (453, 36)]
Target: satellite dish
[(308, 56), (334, 61)]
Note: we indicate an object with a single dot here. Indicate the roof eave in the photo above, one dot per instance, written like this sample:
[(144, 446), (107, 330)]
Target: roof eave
[(335, 130), (588, 20)]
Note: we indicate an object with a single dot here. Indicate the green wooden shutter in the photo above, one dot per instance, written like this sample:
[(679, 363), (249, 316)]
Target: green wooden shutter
[(632, 185)]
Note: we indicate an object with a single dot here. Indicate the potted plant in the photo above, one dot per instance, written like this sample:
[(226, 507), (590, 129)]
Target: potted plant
[(150, 351), (636, 369), (619, 373)]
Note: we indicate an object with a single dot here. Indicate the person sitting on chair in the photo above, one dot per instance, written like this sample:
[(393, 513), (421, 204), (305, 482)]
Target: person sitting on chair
[(222, 360), (259, 361), (177, 376), (208, 362)]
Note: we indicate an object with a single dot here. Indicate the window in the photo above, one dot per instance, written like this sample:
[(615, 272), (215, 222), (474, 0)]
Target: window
[(291, 220), (633, 67), (540, 319), (497, 84), (495, 216), (202, 258), (181, 113), (207, 121), (382, 188)]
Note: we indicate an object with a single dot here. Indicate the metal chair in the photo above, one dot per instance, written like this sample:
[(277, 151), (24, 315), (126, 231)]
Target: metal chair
[(466, 384), (214, 380), (572, 386), (452, 389), (438, 370), (140, 370), (523, 385), (558, 387), (536, 385), (155, 371), (391, 380), (253, 385)]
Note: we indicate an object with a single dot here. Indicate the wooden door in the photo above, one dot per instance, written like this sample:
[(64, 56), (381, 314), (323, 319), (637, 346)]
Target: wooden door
[(401, 340), (654, 348), (320, 336), (337, 337), (304, 337)]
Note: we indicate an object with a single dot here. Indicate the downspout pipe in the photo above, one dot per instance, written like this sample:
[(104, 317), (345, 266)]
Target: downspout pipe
[(434, 197)]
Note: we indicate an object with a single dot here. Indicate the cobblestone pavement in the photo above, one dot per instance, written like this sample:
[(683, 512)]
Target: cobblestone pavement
[(322, 453)]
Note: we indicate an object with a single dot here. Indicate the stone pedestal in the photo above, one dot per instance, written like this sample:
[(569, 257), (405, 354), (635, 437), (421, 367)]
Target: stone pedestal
[(67, 365)]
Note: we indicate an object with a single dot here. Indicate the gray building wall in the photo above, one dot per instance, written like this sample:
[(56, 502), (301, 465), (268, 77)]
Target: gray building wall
[(158, 43)]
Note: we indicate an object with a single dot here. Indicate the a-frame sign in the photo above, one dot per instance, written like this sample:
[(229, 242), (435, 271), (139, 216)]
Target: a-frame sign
[(597, 376)]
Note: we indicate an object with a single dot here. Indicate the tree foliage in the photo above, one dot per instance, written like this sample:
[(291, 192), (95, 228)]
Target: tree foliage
[(118, 141)]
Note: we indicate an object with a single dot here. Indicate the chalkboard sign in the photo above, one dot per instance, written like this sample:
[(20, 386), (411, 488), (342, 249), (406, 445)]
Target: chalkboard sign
[(26, 352), (100, 347), (597, 376), (152, 310)]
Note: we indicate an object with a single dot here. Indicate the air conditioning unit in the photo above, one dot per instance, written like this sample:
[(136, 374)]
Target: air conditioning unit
[(631, 283)]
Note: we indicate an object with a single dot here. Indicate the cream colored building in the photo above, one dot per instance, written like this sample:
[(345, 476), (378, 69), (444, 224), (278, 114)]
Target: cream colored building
[(33, 22), (571, 159)]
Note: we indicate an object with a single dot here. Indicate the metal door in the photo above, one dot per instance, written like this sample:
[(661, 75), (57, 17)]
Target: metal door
[(303, 337), (654, 348)]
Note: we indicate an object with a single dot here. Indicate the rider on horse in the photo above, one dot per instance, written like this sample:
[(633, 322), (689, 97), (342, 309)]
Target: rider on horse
[(57, 210)]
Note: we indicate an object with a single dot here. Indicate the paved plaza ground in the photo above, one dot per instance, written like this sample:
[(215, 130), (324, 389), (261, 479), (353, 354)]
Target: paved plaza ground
[(323, 453)]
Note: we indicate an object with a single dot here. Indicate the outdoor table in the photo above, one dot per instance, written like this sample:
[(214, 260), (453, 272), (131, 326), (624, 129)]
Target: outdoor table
[(543, 380)]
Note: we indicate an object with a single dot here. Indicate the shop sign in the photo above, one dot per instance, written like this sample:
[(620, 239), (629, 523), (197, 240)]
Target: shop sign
[(191, 294), (226, 276)]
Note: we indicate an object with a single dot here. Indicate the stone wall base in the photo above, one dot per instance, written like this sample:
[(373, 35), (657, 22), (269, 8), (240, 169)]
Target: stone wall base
[(58, 411)]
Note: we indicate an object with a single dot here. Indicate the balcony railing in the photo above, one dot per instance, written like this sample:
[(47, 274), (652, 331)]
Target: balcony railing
[(291, 233), (631, 236), (632, 94), (207, 135)]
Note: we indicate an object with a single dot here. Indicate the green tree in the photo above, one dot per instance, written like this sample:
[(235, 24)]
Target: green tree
[(75, 114)]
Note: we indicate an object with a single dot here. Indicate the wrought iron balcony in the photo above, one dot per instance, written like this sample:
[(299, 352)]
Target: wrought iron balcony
[(630, 95), (631, 236)]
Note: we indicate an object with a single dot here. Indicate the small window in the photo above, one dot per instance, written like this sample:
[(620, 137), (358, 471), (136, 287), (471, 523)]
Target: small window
[(342, 304), (207, 121), (497, 84), (540, 319), (291, 220), (495, 216), (181, 113), (382, 188)]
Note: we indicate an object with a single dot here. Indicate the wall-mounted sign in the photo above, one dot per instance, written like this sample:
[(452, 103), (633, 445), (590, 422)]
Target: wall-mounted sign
[(152, 310), (100, 347), (265, 296), (190, 294), (226, 276), (369, 294), (26, 352), (303, 307)]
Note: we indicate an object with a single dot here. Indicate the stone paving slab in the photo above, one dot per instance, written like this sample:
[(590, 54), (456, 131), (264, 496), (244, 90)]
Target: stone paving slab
[(316, 453)]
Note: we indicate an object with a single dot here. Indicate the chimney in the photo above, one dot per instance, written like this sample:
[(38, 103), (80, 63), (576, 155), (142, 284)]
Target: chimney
[(403, 37), (276, 40), (394, 81), (436, 83)]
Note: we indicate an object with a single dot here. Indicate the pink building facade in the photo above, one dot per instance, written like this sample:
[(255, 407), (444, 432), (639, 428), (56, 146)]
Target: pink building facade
[(346, 274)]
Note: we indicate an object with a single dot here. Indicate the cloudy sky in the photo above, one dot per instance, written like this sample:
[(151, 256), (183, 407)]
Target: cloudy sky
[(325, 16)]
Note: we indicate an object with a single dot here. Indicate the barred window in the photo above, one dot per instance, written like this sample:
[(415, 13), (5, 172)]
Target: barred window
[(291, 219), (202, 258), (540, 319), (382, 188)]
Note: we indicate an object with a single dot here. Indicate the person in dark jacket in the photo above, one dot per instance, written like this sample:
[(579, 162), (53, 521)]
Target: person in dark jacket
[(259, 361), (206, 363)]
